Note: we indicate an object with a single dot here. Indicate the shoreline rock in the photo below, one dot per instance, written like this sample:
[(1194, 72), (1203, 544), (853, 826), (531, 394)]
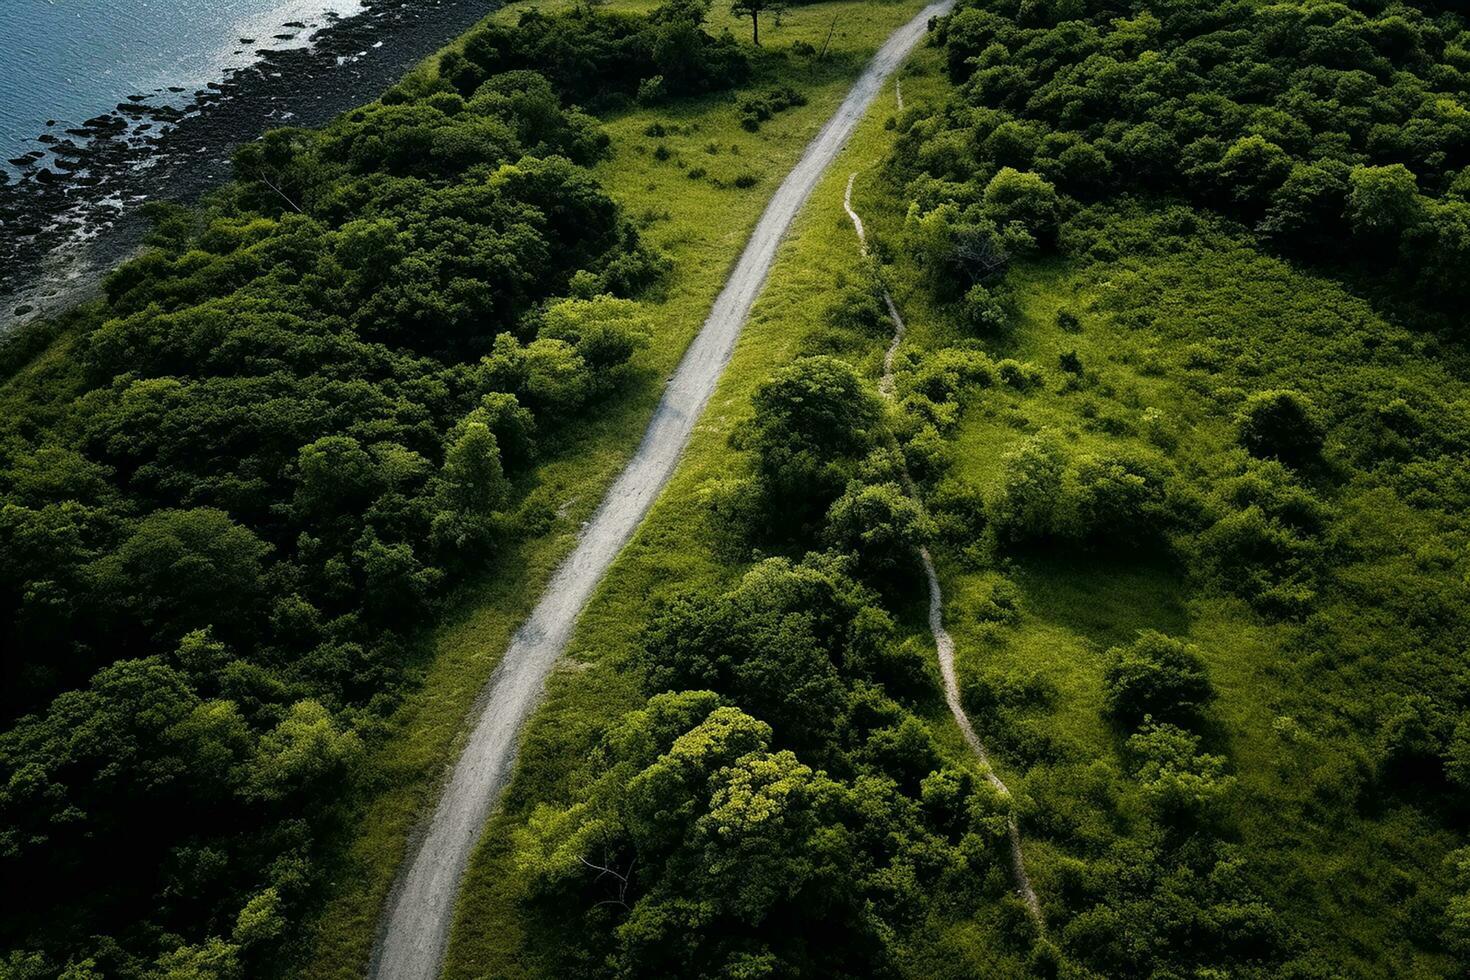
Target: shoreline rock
[(62, 226)]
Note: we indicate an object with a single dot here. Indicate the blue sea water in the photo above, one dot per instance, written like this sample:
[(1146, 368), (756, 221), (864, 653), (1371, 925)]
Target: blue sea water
[(71, 60)]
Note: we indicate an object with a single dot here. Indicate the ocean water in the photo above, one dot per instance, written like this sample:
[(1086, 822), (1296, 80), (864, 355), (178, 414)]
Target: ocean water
[(71, 60)]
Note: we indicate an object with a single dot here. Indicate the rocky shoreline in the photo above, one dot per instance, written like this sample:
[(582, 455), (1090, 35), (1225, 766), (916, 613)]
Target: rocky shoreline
[(74, 210)]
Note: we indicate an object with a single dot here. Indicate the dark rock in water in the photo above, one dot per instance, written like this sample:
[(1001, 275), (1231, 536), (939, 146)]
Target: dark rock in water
[(51, 122), (247, 40), (23, 309), (294, 23), (22, 162), (46, 138), (176, 88), (45, 176), (137, 98), (284, 37)]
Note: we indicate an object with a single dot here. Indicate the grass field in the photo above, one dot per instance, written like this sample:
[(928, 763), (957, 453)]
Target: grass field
[(701, 226), (1170, 379)]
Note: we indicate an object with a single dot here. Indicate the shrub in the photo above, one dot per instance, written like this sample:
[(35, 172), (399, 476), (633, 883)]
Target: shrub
[(1024, 198), (1155, 675), (949, 373), (983, 310), (652, 90), (813, 422), (1018, 375), (1280, 424), (1183, 787), (859, 304), (1114, 498), (1031, 486), (880, 524), (958, 512)]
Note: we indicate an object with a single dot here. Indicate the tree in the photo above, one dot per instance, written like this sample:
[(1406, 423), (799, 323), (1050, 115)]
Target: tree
[(697, 849), (958, 249), (772, 645), (182, 570), (880, 524), (813, 421), (1382, 201), (305, 753), (1155, 675), (1457, 913), (753, 10), (473, 482), (334, 476)]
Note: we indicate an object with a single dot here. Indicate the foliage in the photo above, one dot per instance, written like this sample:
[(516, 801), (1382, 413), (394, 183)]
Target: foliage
[(813, 421), (1156, 676), (292, 424), (1339, 129), (706, 842), (593, 58)]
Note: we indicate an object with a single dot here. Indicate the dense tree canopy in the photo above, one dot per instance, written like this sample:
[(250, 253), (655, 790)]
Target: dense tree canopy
[(1339, 129), (294, 420)]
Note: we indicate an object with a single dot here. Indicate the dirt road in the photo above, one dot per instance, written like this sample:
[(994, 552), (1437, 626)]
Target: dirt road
[(415, 930)]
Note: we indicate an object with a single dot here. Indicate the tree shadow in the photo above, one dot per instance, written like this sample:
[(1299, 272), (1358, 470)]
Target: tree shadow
[(1106, 598)]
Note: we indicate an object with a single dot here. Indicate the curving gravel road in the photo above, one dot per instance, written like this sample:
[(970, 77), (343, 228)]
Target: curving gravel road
[(415, 929)]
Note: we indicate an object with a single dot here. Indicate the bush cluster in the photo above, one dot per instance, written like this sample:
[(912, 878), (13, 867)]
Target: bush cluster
[(598, 59), (1337, 130), (756, 109)]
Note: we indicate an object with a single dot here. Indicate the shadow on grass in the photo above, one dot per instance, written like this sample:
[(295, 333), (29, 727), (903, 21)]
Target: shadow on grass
[(1106, 598)]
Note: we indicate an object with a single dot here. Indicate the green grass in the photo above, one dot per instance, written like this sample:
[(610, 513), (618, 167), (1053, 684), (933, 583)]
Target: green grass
[(1341, 877), (701, 227), (676, 548)]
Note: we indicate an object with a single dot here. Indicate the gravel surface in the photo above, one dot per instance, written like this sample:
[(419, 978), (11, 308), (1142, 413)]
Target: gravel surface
[(415, 929)]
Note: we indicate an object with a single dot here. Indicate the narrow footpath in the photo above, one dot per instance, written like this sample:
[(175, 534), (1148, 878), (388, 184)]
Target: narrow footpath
[(943, 642), (414, 932)]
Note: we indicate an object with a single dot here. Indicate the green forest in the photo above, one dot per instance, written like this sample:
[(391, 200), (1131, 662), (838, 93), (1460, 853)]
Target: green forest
[(1181, 417)]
